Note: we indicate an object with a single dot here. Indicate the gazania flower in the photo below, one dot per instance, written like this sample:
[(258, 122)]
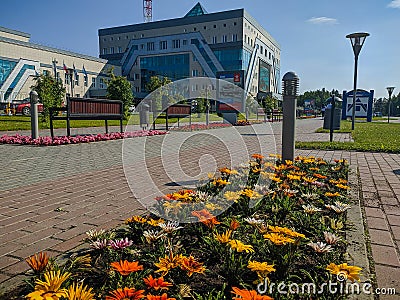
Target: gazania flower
[(286, 231), (232, 196), (349, 272), (310, 209), (202, 196), (248, 295), (278, 239), (223, 238), (100, 244), (331, 238), (162, 297), (79, 292), (219, 182), (50, 288), (319, 176), (38, 262), (125, 267), (190, 265), (170, 226), (251, 194), (152, 235), (168, 262), (94, 235), (320, 247), (120, 244), (341, 186), (293, 177), (257, 156), (136, 219), (234, 224), (309, 179), (276, 179), (228, 171), (240, 247), (310, 196), (126, 294), (206, 218), (253, 221), (261, 268), (155, 223), (331, 195), (339, 207), (157, 283)]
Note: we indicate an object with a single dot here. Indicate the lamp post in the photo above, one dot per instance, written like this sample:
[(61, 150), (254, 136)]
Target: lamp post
[(357, 41), (70, 73), (390, 90)]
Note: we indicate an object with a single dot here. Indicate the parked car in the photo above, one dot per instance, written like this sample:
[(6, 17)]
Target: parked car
[(24, 108), (378, 114)]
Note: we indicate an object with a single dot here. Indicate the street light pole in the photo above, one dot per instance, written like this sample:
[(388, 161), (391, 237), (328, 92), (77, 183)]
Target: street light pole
[(357, 41), (390, 90)]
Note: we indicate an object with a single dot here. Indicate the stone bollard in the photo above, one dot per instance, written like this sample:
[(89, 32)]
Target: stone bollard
[(290, 89)]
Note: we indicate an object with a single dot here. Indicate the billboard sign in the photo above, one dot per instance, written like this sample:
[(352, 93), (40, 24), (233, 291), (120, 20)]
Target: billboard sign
[(230, 93), (264, 77), (364, 103)]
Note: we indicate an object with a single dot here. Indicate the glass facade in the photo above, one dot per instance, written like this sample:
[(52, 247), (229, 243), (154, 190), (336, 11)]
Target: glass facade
[(175, 67), (6, 67), (233, 59), (16, 79)]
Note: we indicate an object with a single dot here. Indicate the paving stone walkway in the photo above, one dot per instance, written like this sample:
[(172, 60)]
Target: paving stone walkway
[(50, 196)]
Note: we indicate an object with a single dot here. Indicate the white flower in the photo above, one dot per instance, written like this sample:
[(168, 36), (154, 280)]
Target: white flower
[(310, 196), (253, 221), (310, 209), (94, 234), (339, 207), (330, 238), (202, 196), (320, 247), (100, 244), (152, 235), (170, 226)]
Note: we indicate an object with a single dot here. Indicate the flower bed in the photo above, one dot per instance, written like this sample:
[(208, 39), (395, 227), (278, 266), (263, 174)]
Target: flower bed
[(64, 140), (195, 127), (265, 225)]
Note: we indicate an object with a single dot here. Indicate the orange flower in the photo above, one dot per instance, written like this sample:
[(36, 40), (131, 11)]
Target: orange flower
[(125, 267), (319, 176), (125, 293), (248, 295), (162, 297), (234, 224), (257, 156), (190, 265), (38, 261), (169, 262), (206, 218), (157, 283)]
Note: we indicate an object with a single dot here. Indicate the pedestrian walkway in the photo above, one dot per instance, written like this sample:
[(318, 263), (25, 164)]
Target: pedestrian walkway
[(50, 196)]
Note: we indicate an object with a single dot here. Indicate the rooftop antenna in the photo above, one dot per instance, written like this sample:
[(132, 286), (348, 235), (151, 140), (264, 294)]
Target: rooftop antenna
[(148, 10)]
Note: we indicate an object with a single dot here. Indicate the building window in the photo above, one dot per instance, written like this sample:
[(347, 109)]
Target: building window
[(205, 27), (150, 46), (142, 46), (234, 37), (66, 78), (93, 82), (262, 50), (77, 80), (101, 85), (142, 35), (269, 55), (234, 23), (104, 50), (104, 40), (176, 44), (137, 89), (195, 29), (119, 49), (215, 26), (85, 81), (214, 40), (111, 50), (224, 38), (265, 53), (119, 38), (224, 25), (163, 45), (194, 58), (184, 42), (195, 73)]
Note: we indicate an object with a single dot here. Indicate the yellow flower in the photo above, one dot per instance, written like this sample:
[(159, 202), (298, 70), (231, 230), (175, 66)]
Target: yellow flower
[(278, 239), (345, 271), (250, 193), (287, 231), (240, 247), (329, 194), (344, 187), (220, 182), (262, 268), (228, 171), (79, 292), (210, 175), (155, 223), (190, 265), (168, 262), (136, 219), (276, 179), (232, 196), (288, 162), (50, 288), (212, 206), (309, 179), (223, 238)]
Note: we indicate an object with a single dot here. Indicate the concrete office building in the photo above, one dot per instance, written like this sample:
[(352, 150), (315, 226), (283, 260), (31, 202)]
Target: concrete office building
[(21, 61), (199, 44)]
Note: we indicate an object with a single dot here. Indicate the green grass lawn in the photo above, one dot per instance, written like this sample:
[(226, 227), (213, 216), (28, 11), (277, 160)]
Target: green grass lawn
[(372, 137), (14, 123)]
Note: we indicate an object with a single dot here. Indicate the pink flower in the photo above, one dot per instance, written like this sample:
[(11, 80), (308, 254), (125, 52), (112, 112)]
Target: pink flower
[(120, 244)]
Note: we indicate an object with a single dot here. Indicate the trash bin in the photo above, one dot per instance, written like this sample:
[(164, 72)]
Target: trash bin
[(144, 115), (337, 114)]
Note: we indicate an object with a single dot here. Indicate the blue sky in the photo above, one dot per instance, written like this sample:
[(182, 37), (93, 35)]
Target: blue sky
[(311, 32)]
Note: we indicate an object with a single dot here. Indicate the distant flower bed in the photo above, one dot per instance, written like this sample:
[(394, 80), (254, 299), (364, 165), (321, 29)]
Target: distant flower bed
[(195, 127), (257, 231), (64, 140)]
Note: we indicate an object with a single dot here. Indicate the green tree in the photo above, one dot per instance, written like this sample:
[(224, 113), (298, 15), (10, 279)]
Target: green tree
[(119, 88), (51, 93), (156, 86), (319, 97)]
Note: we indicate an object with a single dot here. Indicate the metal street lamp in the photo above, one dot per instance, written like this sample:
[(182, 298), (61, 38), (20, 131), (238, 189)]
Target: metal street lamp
[(70, 73), (390, 90), (357, 41)]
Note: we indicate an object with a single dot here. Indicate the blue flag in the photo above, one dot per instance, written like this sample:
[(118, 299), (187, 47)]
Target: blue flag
[(75, 72), (84, 71)]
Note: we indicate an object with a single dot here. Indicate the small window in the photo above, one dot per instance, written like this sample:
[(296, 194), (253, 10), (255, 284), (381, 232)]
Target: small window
[(111, 38), (195, 29), (142, 35), (77, 80), (150, 46), (85, 80), (205, 27), (215, 26), (214, 40), (127, 37), (234, 23), (163, 45), (224, 38), (102, 85), (104, 50), (224, 25), (111, 50), (234, 37), (119, 49), (93, 82), (104, 40), (119, 38), (137, 89), (176, 44), (184, 42), (195, 73)]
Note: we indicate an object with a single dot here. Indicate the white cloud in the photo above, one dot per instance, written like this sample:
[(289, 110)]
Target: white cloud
[(322, 20), (394, 4)]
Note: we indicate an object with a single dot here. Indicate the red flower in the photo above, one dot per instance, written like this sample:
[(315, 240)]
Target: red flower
[(157, 283), (162, 297), (126, 294)]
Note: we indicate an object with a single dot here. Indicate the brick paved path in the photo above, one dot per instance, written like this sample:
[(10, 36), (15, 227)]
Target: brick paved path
[(49, 196)]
